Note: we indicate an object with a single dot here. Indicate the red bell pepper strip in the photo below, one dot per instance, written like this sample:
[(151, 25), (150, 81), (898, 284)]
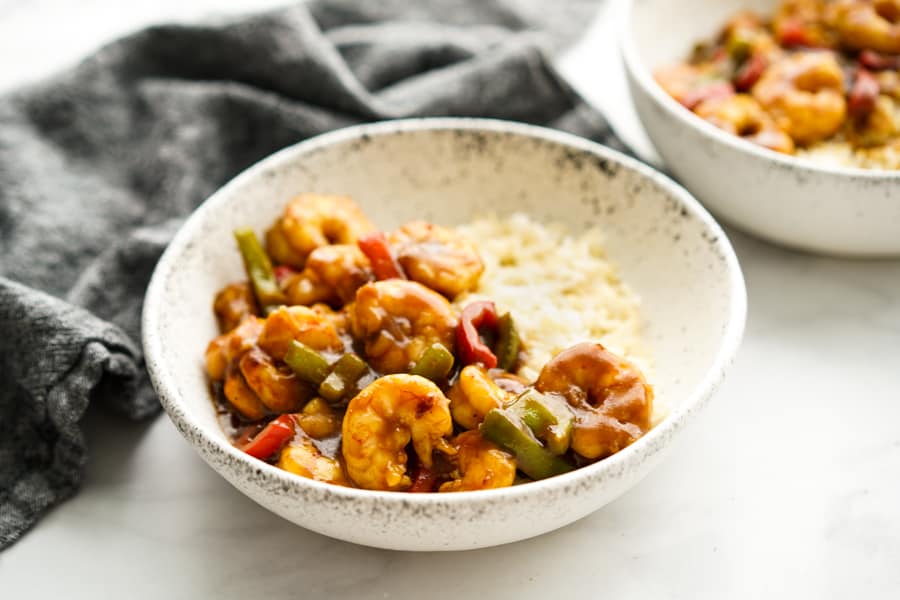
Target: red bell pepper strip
[(863, 94), (794, 33), (374, 245), (471, 349), (877, 61), (423, 480), (750, 72), (271, 439)]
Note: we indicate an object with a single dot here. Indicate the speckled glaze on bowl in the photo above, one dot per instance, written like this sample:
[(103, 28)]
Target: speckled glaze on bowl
[(450, 171), (795, 202)]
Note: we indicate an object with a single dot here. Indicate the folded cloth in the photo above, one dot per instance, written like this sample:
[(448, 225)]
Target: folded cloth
[(100, 164)]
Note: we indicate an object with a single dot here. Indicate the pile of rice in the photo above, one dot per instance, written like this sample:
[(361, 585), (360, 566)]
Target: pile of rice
[(839, 153), (560, 289)]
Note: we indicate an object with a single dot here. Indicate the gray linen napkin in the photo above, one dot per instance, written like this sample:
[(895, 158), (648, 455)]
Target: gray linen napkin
[(100, 164)]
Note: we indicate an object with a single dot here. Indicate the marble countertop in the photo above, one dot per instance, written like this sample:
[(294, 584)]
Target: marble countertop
[(787, 486)]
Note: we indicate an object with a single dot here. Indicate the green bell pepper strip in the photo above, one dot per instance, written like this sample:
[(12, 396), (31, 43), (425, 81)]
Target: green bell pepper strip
[(259, 270), (548, 416), (512, 435), (434, 364), (507, 348), (308, 364), (343, 377)]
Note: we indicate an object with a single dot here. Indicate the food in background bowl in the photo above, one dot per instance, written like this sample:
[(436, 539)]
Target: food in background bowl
[(818, 79), (421, 361)]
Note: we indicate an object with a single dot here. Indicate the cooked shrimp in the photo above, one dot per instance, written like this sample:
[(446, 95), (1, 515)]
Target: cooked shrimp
[(306, 288), (332, 275), (276, 386), (741, 115), (692, 84), (474, 395), (313, 220), (803, 23), (229, 347), (341, 267), (234, 302), (240, 396), (889, 84), (804, 94), (382, 420), (867, 24), (611, 400), (303, 458), (437, 257), (480, 465), (339, 318), (301, 323), (397, 320)]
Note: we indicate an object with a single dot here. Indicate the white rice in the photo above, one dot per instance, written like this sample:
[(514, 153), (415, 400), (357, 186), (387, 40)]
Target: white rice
[(839, 153), (560, 289)]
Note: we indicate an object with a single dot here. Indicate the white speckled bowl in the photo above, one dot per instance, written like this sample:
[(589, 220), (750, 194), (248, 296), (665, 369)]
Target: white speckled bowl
[(450, 170), (843, 211)]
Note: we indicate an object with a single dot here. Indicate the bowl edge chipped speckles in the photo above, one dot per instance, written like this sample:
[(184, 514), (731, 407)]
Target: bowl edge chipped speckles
[(669, 249), (795, 202)]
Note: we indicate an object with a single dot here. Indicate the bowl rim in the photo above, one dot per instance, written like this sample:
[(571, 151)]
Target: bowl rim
[(648, 445), (641, 74)]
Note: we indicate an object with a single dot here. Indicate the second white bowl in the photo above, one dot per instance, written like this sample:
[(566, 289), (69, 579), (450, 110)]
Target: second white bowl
[(783, 199)]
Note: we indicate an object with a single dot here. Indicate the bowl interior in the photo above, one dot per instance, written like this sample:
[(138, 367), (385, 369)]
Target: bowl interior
[(668, 249)]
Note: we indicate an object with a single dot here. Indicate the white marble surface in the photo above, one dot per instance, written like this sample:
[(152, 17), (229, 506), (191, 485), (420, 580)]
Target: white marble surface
[(786, 487)]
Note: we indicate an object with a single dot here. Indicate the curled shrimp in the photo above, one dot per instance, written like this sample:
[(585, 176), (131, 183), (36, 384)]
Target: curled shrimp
[(241, 396), (313, 220), (339, 318), (301, 323), (383, 419), (474, 395), (867, 24), (343, 268), (233, 303), (480, 465), (332, 275), (742, 116), (804, 23), (437, 257), (306, 288), (276, 386), (230, 346), (609, 396), (690, 85), (889, 84), (804, 94), (303, 458), (397, 320)]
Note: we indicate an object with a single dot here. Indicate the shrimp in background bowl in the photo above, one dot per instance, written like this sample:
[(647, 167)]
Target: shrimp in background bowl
[(817, 77)]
